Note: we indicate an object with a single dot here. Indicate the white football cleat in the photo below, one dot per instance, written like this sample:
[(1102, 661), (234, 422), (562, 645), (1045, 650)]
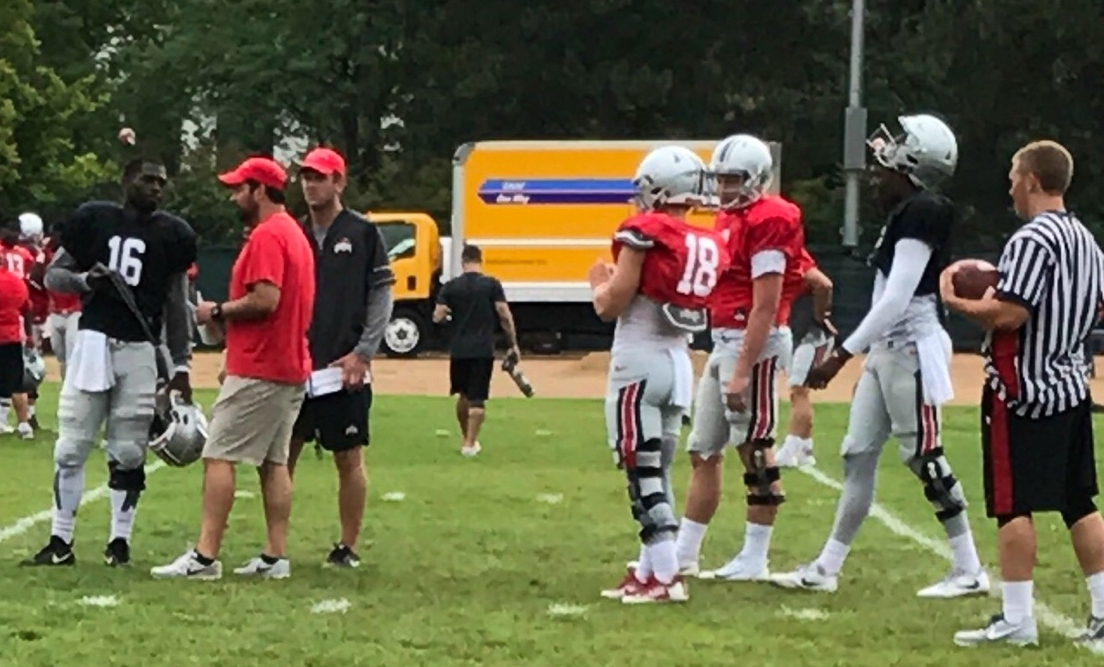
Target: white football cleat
[(794, 455), (25, 431), (1024, 633), (738, 569), (958, 584), (187, 567), (5, 429), (655, 592), (807, 577), (257, 567), (630, 585)]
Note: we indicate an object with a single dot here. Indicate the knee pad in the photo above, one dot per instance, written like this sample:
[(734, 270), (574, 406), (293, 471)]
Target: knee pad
[(759, 476), (127, 454), (650, 505), (125, 479), (1078, 509), (941, 487)]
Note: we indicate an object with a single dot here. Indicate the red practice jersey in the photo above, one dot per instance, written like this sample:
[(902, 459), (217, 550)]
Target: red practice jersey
[(682, 263), (18, 260), (793, 284), (769, 224)]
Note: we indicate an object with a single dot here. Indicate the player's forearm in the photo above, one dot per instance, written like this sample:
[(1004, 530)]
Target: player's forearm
[(250, 307), (178, 324), (822, 294), (760, 321), (63, 275), (381, 302)]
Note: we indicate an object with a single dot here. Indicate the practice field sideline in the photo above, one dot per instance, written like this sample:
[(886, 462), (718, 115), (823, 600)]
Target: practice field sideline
[(498, 561)]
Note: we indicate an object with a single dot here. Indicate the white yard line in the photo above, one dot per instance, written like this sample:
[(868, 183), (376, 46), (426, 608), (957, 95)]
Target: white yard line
[(26, 523), (1060, 623)]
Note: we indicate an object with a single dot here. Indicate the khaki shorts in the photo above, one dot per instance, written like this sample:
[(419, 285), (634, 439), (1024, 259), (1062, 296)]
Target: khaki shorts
[(251, 421)]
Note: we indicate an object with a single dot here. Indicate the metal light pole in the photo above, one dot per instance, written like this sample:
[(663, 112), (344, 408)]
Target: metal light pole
[(854, 131)]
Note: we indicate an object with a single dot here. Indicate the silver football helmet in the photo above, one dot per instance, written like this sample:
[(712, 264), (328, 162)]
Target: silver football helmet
[(34, 368), (179, 430), (926, 150), (31, 227), (747, 157), (669, 175)]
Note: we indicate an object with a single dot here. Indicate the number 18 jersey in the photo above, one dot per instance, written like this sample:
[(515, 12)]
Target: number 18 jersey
[(146, 253), (681, 266)]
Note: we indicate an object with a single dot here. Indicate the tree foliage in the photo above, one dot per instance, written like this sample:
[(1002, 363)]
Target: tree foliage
[(399, 84)]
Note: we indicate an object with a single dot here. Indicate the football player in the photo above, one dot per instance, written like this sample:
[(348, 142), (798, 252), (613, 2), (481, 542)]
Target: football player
[(737, 398), (906, 374), (113, 374), (32, 232), (657, 290), (812, 333), (19, 262)]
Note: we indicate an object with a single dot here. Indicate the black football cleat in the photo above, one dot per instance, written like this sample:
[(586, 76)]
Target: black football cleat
[(57, 552), (117, 553)]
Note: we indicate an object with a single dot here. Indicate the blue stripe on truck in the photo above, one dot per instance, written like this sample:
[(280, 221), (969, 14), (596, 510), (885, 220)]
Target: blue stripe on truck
[(517, 191)]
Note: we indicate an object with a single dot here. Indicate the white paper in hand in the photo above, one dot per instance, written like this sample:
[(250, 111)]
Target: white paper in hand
[(325, 381)]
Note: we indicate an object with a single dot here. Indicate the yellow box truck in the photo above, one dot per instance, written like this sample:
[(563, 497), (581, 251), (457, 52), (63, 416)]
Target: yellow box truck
[(543, 212)]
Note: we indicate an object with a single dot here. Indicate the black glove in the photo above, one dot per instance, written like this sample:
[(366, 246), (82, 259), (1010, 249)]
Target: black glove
[(99, 278)]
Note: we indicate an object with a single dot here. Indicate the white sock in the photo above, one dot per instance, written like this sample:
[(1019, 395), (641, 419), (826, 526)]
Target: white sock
[(644, 565), (832, 557), (965, 553), (690, 537), (5, 408), (122, 520), (64, 524), (664, 560), (1096, 591), (1018, 600), (757, 542), (30, 411), (68, 489)]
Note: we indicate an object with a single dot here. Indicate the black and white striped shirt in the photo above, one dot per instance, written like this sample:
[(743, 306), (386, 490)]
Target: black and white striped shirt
[(1054, 268)]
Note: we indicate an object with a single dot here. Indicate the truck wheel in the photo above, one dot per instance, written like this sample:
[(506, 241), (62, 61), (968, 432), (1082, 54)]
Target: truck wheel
[(405, 334)]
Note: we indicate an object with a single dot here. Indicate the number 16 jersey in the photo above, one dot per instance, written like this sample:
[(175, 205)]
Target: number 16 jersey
[(682, 264), (145, 253)]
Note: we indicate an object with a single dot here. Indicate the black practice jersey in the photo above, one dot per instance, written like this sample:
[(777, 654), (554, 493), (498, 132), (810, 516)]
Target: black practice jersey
[(144, 252), (927, 217)]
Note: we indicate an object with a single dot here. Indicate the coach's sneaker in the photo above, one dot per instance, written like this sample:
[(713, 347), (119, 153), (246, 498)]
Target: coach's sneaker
[(958, 584), (188, 566), (657, 592), (343, 556), (25, 431), (6, 429), (739, 568), (1024, 633), (57, 552), (266, 567), (630, 585), (117, 552), (809, 577), (1094, 631), (471, 451)]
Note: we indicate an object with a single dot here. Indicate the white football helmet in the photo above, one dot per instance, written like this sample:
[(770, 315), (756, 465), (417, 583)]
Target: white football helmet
[(179, 430), (745, 156), (926, 150), (34, 368), (670, 175), (31, 227)]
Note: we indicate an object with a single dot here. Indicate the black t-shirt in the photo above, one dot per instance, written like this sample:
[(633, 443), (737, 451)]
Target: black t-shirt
[(927, 217), (471, 298), (802, 317), (144, 252), (351, 262)]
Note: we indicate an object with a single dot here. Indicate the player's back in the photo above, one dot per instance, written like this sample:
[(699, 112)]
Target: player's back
[(17, 260), (13, 299), (145, 253), (681, 265)]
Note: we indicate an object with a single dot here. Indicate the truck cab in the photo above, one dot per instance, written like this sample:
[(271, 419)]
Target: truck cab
[(414, 246)]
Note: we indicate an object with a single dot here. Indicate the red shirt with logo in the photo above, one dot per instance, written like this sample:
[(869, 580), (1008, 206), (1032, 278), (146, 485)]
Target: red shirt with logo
[(14, 298), (274, 348)]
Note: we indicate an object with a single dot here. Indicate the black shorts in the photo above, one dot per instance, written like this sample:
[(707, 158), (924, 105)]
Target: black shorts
[(471, 378), (338, 421), (1036, 465), (11, 369)]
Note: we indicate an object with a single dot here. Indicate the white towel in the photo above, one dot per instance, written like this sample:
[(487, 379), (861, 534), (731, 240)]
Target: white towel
[(89, 369), (935, 367), (682, 389)]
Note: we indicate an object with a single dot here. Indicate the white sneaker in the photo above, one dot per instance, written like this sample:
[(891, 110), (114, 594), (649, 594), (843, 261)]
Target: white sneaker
[(25, 431), (1024, 633), (6, 429), (257, 567), (471, 451), (958, 584), (738, 569), (187, 567), (807, 577), (794, 455)]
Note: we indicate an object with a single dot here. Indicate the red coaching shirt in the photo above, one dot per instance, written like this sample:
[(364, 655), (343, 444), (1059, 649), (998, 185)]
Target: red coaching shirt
[(682, 263), (13, 301), (275, 348), (769, 224)]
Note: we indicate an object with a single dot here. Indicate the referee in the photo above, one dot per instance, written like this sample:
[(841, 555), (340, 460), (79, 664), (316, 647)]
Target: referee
[(1037, 431), (352, 306)]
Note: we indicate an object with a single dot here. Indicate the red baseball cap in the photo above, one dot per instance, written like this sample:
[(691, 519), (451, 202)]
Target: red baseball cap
[(259, 169), (325, 161)]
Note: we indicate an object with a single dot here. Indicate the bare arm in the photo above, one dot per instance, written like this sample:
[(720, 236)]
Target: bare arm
[(63, 275), (259, 303), (506, 318), (440, 313), (381, 303), (766, 297), (178, 323), (821, 287), (612, 297)]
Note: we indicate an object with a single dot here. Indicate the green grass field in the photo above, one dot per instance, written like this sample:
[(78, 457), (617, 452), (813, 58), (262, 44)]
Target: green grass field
[(464, 569)]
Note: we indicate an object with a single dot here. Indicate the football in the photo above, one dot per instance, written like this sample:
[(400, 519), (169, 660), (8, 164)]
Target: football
[(973, 277)]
